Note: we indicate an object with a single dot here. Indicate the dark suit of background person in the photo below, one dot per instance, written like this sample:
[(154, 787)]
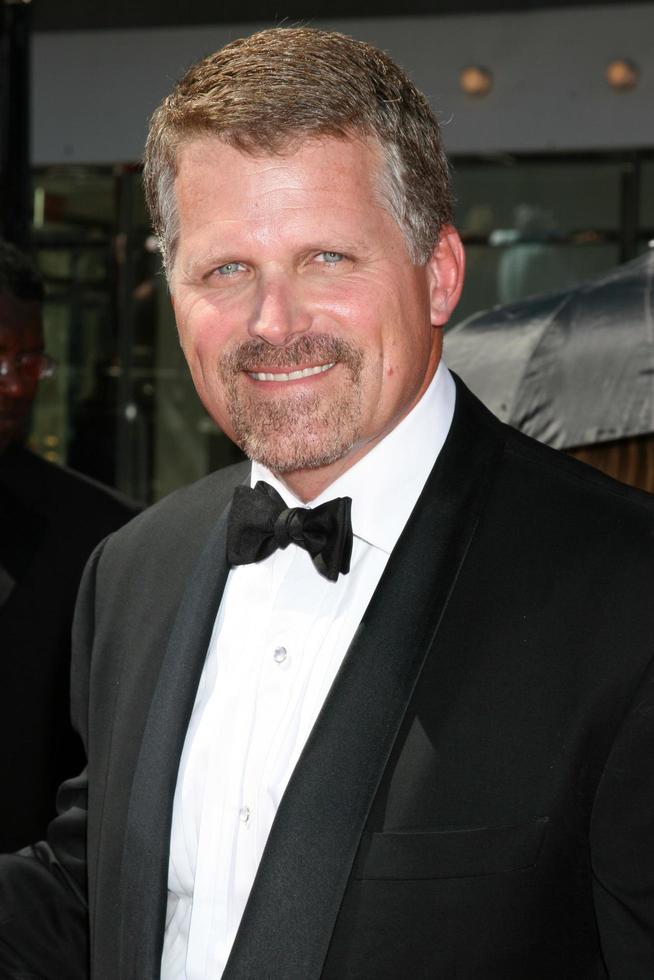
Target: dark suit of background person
[(50, 521), (475, 800)]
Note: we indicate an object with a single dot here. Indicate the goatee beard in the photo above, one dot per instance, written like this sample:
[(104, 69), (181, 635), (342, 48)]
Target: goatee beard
[(295, 430)]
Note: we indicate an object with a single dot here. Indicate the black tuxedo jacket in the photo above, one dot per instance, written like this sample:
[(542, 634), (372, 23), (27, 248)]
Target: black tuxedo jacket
[(51, 519), (476, 799)]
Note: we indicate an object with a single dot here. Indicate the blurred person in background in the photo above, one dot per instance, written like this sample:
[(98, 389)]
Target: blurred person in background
[(50, 521)]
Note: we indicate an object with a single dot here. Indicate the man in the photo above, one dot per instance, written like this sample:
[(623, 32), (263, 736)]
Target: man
[(421, 752), (50, 521)]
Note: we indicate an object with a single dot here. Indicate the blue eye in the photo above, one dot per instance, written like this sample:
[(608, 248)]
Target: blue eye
[(229, 268), (331, 258)]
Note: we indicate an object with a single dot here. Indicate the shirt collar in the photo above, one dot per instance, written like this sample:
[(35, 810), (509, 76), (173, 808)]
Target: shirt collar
[(385, 483)]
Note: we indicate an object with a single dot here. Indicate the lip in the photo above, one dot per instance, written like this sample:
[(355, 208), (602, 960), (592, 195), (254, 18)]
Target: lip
[(292, 374)]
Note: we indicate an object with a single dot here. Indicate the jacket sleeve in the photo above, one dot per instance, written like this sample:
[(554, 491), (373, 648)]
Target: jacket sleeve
[(622, 844), (43, 917), (43, 906)]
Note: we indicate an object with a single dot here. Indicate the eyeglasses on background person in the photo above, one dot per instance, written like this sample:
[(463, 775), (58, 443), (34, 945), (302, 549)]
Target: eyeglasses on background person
[(29, 365)]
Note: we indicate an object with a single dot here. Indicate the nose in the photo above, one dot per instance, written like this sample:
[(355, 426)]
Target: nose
[(280, 314), (11, 381)]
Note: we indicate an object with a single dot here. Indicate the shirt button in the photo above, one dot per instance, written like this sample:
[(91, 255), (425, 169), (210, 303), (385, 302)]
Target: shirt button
[(280, 654), (244, 814)]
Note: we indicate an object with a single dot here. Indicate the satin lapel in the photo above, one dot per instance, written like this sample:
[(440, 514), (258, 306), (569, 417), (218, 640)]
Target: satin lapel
[(147, 840), (289, 919)]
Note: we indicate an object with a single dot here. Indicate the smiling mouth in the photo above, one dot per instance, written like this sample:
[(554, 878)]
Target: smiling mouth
[(290, 375)]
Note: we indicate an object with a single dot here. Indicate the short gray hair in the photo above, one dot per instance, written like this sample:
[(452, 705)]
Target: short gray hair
[(283, 85)]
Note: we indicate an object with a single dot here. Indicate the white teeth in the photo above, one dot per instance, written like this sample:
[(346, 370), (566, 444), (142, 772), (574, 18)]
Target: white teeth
[(292, 375)]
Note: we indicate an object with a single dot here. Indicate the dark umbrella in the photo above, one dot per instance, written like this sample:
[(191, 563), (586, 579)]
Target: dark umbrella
[(571, 368)]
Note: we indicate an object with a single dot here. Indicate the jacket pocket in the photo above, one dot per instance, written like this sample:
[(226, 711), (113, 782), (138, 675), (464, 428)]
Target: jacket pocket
[(450, 853)]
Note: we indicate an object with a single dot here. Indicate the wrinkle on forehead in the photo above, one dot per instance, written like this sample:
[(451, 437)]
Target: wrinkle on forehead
[(286, 171), (237, 198)]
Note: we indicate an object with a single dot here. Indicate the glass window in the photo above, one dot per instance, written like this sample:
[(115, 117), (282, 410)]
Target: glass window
[(533, 227), (73, 236), (121, 407), (553, 198)]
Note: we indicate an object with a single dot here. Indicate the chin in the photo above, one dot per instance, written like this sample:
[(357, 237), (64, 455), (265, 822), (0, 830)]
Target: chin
[(296, 451)]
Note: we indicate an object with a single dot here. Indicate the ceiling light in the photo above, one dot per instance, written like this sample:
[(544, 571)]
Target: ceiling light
[(621, 75), (476, 81)]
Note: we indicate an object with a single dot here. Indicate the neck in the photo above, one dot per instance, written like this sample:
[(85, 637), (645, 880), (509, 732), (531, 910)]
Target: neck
[(307, 484)]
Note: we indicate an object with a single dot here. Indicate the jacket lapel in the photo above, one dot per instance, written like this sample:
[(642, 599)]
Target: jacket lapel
[(147, 838), (290, 916)]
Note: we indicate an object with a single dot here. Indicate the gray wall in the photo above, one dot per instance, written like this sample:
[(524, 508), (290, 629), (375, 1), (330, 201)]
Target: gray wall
[(93, 91)]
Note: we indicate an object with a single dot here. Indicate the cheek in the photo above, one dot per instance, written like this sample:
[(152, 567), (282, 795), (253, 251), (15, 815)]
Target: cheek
[(406, 359), (354, 306), (203, 336), (406, 354)]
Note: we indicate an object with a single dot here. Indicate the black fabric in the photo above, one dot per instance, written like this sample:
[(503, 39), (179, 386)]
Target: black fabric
[(22, 527), (58, 930), (260, 523), (148, 824), (50, 521)]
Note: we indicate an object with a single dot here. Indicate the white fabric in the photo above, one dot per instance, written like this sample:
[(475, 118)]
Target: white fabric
[(281, 633)]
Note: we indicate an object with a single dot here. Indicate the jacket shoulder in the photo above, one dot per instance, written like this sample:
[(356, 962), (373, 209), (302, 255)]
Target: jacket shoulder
[(181, 520), (545, 468), (558, 468), (71, 511), (561, 509)]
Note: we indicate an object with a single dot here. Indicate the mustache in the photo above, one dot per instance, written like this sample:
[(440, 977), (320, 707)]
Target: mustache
[(255, 355)]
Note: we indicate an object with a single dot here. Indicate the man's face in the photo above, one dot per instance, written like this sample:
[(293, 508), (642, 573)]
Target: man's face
[(308, 330), (21, 331)]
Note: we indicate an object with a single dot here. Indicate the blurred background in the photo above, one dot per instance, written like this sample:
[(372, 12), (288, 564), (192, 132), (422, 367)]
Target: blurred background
[(547, 117)]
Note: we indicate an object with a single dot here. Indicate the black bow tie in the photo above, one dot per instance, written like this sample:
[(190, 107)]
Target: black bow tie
[(260, 522)]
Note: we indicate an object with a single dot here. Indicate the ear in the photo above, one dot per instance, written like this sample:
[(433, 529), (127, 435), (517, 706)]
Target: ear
[(445, 269)]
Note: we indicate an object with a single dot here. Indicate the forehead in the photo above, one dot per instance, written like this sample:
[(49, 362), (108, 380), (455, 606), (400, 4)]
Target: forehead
[(21, 323), (316, 171), (323, 193)]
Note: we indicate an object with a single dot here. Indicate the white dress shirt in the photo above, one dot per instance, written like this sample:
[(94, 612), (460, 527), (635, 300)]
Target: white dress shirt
[(280, 636)]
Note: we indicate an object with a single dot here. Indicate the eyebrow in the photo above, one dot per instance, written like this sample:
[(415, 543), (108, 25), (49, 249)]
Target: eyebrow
[(197, 264)]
